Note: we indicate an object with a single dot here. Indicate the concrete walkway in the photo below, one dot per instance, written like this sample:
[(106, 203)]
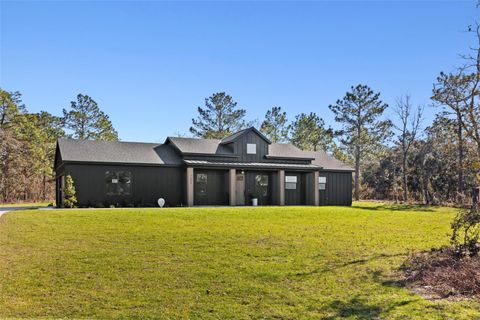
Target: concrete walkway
[(4, 210)]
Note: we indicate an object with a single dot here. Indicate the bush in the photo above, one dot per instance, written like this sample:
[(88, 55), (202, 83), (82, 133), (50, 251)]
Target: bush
[(70, 198), (466, 232)]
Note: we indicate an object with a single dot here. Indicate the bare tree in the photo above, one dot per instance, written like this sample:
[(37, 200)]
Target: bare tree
[(408, 127)]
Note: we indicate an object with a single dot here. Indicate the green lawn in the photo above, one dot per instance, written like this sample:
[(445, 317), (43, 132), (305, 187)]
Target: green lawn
[(219, 263), (25, 204)]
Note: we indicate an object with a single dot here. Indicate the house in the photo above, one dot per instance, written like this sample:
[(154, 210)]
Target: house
[(188, 172)]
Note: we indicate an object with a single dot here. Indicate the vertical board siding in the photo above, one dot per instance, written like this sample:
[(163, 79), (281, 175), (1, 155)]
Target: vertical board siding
[(217, 188), (148, 184), (338, 190), (240, 147), (297, 196)]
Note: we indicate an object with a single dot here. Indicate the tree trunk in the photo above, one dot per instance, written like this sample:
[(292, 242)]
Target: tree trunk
[(357, 173), (404, 178), (460, 155)]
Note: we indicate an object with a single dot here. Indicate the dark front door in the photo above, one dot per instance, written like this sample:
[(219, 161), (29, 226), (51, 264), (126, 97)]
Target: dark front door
[(210, 187), (259, 185)]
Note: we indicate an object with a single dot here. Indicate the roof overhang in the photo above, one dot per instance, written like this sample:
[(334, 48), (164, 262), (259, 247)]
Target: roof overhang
[(252, 165)]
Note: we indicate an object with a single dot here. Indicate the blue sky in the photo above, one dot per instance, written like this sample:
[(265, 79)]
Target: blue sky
[(150, 64)]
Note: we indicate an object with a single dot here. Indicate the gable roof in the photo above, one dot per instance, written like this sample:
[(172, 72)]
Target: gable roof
[(199, 146), (240, 133), (328, 162), (72, 150)]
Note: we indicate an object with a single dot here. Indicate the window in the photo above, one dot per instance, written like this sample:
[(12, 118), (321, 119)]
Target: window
[(290, 182), (118, 183), (201, 184), (322, 183), (251, 148), (261, 181)]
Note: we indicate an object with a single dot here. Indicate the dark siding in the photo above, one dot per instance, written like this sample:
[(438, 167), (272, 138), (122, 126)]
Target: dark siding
[(251, 188), (148, 184), (338, 190), (217, 188), (298, 195), (240, 147)]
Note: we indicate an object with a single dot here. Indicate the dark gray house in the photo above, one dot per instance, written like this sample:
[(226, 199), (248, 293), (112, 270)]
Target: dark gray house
[(188, 172)]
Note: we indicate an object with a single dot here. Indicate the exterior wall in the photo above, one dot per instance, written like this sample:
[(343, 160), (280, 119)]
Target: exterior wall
[(216, 187), (338, 189), (240, 147), (296, 196), (148, 184)]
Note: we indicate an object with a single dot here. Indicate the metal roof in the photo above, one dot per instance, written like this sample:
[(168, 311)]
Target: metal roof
[(117, 152), (251, 164)]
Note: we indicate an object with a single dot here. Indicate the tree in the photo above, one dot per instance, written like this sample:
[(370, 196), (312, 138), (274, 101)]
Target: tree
[(408, 127), (308, 132), (87, 121), (70, 198), (10, 106), (362, 130), (219, 118), (450, 92), (275, 125)]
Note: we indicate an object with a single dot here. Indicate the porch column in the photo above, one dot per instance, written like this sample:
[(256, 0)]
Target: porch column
[(316, 196), (281, 187), (189, 187), (232, 186)]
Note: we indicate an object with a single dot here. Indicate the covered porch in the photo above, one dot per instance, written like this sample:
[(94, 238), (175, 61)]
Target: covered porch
[(213, 183)]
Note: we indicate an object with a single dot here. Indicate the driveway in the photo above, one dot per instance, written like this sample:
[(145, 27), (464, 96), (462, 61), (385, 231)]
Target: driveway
[(4, 210)]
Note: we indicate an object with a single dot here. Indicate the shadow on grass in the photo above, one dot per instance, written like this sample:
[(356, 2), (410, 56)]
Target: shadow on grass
[(346, 264), (397, 207), (362, 309)]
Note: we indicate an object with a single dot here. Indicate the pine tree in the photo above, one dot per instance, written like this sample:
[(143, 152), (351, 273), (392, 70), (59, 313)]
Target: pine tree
[(308, 132), (86, 121), (219, 118), (275, 125), (362, 130)]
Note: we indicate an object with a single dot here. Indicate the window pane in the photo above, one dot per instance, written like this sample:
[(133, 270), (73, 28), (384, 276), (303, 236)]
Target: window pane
[(261, 181), (290, 185), (322, 186), (251, 148), (201, 184), (291, 179), (118, 182), (322, 179)]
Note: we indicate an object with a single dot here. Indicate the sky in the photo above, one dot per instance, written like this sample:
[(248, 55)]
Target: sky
[(149, 65)]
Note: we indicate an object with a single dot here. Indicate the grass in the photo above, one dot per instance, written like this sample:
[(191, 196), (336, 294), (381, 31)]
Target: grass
[(25, 204), (220, 263)]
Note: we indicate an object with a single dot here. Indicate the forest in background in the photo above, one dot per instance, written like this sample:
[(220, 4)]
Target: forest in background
[(398, 159)]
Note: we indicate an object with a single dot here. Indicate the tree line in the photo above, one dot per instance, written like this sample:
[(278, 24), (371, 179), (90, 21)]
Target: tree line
[(394, 158), (28, 140)]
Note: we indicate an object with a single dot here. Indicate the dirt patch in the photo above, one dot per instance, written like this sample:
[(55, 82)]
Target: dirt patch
[(440, 273)]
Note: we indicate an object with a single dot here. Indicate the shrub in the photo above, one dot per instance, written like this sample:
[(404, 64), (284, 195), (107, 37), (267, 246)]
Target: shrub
[(466, 232), (70, 198)]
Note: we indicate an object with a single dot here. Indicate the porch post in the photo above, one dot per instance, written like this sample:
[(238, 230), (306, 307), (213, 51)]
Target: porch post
[(189, 186), (281, 187), (232, 186), (316, 196)]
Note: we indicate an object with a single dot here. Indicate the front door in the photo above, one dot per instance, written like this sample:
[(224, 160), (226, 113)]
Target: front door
[(240, 189)]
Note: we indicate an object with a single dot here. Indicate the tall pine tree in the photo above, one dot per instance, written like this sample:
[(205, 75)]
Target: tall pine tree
[(275, 125), (85, 120), (219, 118), (363, 131)]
